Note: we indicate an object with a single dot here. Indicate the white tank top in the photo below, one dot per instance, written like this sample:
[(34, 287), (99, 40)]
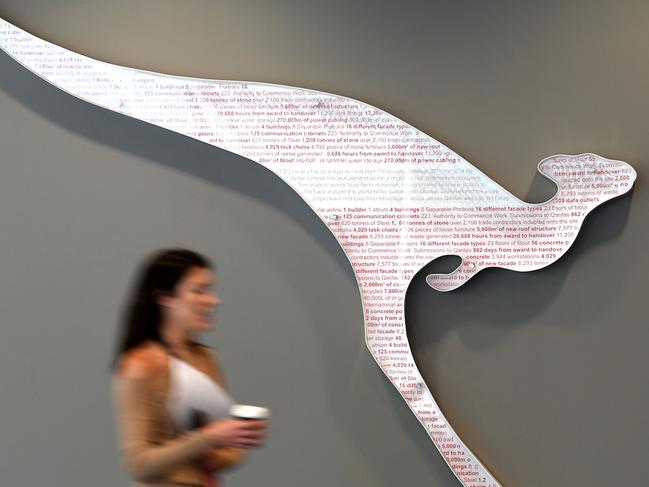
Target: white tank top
[(194, 398)]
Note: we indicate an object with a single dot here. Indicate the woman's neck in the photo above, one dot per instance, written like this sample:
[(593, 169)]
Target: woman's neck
[(175, 340)]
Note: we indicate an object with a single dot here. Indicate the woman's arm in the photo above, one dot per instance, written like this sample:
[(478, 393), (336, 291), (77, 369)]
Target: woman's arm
[(137, 420)]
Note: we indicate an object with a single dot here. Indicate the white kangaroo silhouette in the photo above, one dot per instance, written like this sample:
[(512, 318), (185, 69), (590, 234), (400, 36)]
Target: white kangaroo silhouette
[(394, 197)]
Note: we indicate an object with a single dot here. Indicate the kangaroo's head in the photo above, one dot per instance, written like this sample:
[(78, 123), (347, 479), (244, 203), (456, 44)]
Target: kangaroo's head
[(588, 176)]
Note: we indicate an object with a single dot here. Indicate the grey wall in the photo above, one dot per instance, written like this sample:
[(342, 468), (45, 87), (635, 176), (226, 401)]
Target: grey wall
[(543, 374)]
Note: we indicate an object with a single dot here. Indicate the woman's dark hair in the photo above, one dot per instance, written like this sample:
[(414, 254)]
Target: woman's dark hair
[(159, 275)]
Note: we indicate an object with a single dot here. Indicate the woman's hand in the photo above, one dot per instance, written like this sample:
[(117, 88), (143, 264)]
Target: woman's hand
[(238, 433)]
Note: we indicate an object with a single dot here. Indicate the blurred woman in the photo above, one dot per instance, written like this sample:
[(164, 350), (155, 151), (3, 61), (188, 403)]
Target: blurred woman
[(171, 403)]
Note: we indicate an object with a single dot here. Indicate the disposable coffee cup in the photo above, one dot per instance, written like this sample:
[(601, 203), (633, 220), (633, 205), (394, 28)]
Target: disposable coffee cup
[(245, 411)]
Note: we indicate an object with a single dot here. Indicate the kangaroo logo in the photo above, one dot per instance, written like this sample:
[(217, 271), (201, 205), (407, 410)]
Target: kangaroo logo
[(394, 197)]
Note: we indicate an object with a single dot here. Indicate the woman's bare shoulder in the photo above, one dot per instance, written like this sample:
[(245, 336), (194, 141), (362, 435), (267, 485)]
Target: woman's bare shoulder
[(142, 362)]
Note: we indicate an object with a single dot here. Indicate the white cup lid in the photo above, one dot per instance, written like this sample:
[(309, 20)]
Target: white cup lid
[(249, 412)]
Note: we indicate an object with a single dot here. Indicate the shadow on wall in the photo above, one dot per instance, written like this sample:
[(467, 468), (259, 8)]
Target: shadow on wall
[(523, 295), (487, 314), (347, 392), (532, 292), (181, 153)]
